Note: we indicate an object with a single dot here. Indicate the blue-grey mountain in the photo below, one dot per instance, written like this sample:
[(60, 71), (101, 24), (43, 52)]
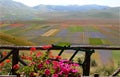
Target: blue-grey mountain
[(11, 10)]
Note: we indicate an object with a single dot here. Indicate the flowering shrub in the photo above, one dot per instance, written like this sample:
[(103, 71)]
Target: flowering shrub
[(40, 64), (5, 66)]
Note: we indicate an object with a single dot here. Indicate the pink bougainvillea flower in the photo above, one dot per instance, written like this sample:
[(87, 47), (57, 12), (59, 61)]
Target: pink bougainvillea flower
[(55, 75), (74, 71), (47, 72), (47, 46), (64, 61), (16, 66), (47, 62), (65, 71), (33, 49), (60, 73), (55, 64), (38, 54), (40, 66)]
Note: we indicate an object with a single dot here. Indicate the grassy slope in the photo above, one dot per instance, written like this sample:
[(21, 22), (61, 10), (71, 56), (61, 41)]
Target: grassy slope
[(15, 40), (95, 41)]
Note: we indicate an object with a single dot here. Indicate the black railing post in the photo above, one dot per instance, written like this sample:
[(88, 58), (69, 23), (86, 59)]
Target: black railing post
[(73, 55), (15, 59), (61, 52), (86, 63)]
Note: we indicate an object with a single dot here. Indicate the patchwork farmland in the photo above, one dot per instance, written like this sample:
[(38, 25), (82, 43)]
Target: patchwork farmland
[(72, 34)]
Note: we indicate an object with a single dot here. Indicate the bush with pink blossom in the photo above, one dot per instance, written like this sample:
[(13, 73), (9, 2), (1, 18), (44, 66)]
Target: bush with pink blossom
[(40, 65)]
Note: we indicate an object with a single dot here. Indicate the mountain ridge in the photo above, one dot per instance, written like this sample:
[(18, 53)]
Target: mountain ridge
[(71, 7), (12, 10)]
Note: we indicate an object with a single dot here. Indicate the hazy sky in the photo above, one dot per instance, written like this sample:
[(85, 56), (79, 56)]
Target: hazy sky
[(112, 3)]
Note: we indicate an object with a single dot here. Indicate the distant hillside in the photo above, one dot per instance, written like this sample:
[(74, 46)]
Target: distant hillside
[(11, 10), (75, 11), (70, 7)]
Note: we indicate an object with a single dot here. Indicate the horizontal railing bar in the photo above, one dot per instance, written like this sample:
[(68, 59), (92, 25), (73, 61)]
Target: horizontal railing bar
[(104, 47), (74, 47)]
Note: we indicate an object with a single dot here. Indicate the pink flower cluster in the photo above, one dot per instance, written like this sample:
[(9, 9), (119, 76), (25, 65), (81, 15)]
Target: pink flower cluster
[(41, 65), (65, 68)]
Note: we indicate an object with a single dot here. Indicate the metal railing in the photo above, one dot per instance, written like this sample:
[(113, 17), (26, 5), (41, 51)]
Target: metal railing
[(87, 49)]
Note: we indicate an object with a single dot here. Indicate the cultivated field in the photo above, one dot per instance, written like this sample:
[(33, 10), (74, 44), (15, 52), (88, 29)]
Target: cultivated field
[(57, 33)]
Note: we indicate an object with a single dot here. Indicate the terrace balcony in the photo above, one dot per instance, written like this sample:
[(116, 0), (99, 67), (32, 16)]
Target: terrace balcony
[(87, 49)]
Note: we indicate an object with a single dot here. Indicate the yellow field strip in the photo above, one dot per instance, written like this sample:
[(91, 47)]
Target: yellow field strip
[(50, 32)]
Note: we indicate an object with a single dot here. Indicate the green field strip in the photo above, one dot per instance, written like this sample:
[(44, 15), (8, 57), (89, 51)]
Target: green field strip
[(106, 42), (95, 41), (91, 29), (75, 29), (15, 40), (63, 43)]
